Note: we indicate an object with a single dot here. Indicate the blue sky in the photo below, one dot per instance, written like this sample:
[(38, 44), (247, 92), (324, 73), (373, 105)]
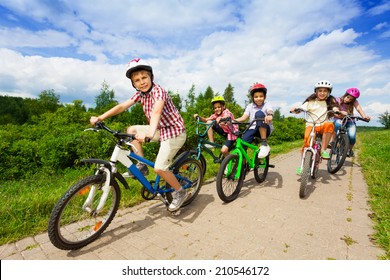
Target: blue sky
[(73, 46)]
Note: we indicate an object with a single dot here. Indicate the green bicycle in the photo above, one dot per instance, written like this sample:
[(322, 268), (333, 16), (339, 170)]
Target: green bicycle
[(238, 163)]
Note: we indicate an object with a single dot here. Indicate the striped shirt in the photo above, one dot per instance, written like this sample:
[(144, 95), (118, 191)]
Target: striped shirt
[(171, 123)]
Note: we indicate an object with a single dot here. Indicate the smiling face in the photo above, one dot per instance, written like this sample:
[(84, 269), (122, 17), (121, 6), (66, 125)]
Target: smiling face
[(141, 80), (218, 108), (259, 98), (348, 99), (322, 93)]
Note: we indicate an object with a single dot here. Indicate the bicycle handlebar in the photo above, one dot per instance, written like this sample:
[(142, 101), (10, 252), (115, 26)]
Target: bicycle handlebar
[(352, 117), (119, 135), (230, 122)]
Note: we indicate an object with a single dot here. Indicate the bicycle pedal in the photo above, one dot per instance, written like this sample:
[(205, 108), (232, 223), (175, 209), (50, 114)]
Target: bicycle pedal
[(175, 213)]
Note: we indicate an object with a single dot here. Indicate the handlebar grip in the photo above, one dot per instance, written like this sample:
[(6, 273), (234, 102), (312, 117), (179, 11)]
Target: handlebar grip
[(296, 110), (227, 119)]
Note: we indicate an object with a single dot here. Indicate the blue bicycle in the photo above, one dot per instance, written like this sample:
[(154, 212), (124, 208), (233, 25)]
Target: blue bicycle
[(88, 207)]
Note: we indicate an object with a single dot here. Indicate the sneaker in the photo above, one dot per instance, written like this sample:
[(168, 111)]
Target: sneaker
[(350, 153), (264, 151), (179, 197), (299, 170), (142, 167), (209, 146), (325, 155)]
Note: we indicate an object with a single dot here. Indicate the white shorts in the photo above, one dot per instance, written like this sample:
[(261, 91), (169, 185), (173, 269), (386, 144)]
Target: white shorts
[(168, 148)]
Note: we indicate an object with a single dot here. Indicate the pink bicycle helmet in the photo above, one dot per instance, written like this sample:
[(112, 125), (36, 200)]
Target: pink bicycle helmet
[(257, 87), (353, 92)]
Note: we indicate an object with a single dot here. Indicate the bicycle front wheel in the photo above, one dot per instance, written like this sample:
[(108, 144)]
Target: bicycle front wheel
[(261, 169), (75, 220), (190, 175), (338, 153), (305, 174), (229, 182)]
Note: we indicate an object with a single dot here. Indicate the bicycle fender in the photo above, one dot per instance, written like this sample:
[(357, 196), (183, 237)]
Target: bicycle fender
[(97, 161), (183, 156), (121, 179), (106, 164)]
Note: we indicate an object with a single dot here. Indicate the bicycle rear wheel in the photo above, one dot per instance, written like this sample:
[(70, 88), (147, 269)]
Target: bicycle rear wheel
[(261, 169), (190, 175), (228, 186), (305, 174), (75, 221), (338, 153)]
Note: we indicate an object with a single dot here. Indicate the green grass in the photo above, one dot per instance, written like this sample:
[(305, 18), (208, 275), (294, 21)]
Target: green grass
[(374, 157)]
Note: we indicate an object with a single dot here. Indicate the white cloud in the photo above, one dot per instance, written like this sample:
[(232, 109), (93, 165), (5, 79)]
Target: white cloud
[(287, 46)]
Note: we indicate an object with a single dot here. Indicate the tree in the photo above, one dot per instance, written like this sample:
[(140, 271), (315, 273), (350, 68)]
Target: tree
[(49, 101), (277, 115), (228, 95), (176, 100), (385, 119), (190, 101), (105, 100), (13, 110), (209, 93)]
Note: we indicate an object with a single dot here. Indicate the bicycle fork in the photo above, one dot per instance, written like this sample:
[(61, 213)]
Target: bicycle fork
[(118, 154), (313, 157)]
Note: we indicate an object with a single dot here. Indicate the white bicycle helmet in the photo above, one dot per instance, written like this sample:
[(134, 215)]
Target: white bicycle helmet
[(324, 84), (137, 64)]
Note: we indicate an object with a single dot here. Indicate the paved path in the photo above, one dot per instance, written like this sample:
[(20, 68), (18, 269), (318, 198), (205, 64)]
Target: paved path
[(268, 221)]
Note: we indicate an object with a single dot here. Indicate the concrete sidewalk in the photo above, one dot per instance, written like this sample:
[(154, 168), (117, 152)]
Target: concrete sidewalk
[(267, 221)]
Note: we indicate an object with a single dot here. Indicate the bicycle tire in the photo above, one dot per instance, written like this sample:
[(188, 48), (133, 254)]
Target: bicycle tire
[(203, 163), (71, 227), (228, 187), (189, 169), (261, 169), (305, 174), (316, 166), (338, 153)]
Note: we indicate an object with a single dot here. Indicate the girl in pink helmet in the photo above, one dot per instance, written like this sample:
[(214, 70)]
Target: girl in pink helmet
[(346, 104)]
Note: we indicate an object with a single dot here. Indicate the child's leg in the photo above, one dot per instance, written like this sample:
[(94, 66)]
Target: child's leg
[(263, 135), (168, 150), (137, 145), (225, 150), (351, 131), (210, 132), (325, 140)]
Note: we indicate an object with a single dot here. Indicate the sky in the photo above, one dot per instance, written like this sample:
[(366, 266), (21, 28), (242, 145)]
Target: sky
[(72, 47)]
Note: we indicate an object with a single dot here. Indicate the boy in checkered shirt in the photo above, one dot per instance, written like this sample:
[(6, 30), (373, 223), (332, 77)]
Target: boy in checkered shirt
[(165, 124)]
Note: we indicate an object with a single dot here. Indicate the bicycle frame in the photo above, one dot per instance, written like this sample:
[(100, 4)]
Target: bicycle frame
[(202, 141), (313, 147), (123, 156), (241, 152)]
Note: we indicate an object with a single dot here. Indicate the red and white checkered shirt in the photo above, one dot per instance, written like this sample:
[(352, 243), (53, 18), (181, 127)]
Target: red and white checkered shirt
[(171, 123)]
